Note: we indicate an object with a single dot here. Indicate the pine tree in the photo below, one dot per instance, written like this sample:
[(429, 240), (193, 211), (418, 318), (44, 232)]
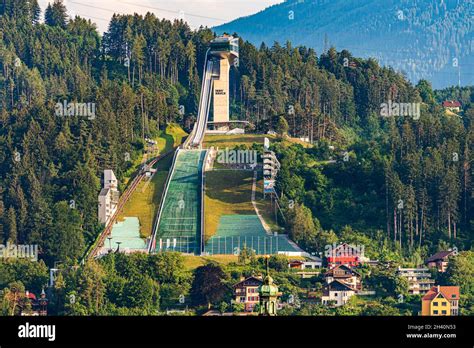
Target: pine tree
[(65, 241), (282, 126), (12, 233), (56, 14)]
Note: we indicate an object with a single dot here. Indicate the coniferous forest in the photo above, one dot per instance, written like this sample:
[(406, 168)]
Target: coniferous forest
[(401, 186)]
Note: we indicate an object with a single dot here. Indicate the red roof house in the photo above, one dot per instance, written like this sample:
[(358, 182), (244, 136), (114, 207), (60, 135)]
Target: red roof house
[(345, 254), (452, 105)]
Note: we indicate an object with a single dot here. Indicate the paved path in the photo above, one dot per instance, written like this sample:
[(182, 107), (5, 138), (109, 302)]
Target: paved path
[(254, 203)]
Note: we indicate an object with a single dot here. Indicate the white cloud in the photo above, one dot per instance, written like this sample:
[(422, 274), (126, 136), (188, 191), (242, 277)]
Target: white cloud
[(196, 12)]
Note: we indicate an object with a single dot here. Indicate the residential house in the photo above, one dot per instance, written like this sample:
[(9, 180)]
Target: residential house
[(246, 292), (452, 105), (337, 293), (345, 275), (441, 301), (440, 260), (306, 269), (419, 279), (108, 197), (302, 265), (345, 254)]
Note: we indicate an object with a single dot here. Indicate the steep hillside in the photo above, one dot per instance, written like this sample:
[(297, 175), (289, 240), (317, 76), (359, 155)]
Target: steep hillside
[(428, 39)]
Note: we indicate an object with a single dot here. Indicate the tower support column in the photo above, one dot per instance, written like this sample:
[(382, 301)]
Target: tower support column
[(221, 95)]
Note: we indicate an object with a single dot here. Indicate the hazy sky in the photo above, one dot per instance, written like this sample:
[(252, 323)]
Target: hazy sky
[(195, 12)]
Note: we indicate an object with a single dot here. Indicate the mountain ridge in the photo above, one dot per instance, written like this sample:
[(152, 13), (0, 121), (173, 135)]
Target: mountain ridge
[(422, 38)]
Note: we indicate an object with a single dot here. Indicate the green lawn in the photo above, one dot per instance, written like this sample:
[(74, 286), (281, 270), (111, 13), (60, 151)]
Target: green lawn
[(223, 141), (228, 192), (145, 201), (230, 141), (172, 137)]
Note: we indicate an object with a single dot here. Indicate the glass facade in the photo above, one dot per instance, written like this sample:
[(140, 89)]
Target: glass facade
[(225, 46)]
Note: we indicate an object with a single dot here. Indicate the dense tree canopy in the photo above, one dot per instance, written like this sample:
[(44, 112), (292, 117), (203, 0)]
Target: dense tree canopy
[(401, 186)]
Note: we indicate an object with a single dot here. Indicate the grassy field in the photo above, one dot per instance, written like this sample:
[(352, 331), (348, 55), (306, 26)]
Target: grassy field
[(264, 206), (166, 141), (172, 137), (228, 192), (230, 141), (145, 200), (223, 141), (290, 141)]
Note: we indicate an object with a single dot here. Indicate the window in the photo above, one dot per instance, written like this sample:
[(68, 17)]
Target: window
[(443, 312), (453, 296), (335, 294), (435, 304), (443, 304), (435, 312)]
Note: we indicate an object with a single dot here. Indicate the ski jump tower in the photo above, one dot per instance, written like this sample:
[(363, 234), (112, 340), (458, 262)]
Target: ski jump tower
[(226, 50), (222, 53)]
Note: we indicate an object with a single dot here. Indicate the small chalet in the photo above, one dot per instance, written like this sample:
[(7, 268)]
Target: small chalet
[(345, 254), (345, 275), (246, 292), (337, 294), (452, 105), (440, 260)]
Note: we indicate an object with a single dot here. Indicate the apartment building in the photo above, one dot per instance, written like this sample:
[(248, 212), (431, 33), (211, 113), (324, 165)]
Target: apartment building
[(419, 279)]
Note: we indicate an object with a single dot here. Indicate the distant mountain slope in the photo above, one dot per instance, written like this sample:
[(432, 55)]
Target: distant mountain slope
[(430, 39)]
